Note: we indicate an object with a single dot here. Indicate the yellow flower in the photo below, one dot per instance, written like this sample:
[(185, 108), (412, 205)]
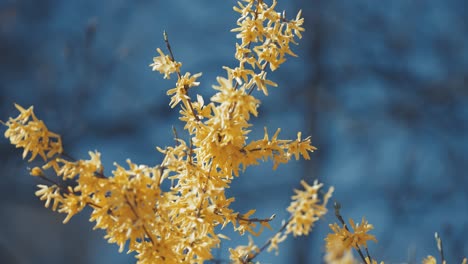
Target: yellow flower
[(50, 194), (179, 93), (71, 205), (164, 64), (301, 147), (240, 74), (241, 253), (261, 82), (358, 237)]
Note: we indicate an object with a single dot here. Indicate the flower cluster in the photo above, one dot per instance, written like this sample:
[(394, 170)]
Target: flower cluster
[(265, 36), (173, 212), (261, 23), (342, 240), (27, 132), (306, 208)]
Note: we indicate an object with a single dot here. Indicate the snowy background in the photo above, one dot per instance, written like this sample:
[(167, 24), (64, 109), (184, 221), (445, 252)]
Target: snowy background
[(382, 87)]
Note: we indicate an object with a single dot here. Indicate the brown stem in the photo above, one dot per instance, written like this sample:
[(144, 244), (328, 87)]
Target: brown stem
[(189, 101), (94, 205), (368, 255), (258, 220), (251, 89), (176, 137), (62, 187), (98, 174), (254, 85), (191, 152), (200, 206), (168, 45), (148, 234), (440, 247)]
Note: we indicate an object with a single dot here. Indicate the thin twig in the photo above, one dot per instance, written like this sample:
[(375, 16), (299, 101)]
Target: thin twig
[(251, 89), (168, 45), (255, 85), (368, 255), (62, 187), (267, 243), (200, 206), (137, 216), (94, 205), (258, 220), (337, 207), (440, 247), (98, 174), (176, 137), (191, 152)]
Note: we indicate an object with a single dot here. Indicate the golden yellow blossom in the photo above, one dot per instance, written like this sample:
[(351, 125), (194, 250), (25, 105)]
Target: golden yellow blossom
[(49, 194), (164, 64), (306, 208), (179, 93), (357, 237), (261, 82)]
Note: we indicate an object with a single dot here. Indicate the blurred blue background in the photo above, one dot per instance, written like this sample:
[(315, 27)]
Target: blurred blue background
[(382, 87)]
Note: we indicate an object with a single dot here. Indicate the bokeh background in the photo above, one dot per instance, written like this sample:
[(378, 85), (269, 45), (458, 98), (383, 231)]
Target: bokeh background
[(382, 87)]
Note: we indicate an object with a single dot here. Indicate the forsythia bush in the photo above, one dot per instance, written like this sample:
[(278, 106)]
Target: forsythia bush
[(173, 212)]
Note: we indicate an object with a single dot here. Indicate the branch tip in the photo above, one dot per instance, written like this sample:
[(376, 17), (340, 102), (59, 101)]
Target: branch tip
[(439, 246)]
